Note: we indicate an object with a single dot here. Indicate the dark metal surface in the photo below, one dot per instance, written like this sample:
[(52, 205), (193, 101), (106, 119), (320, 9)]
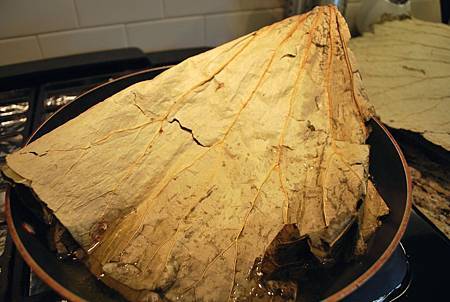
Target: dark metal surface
[(71, 67), (73, 280), (390, 282), (428, 253)]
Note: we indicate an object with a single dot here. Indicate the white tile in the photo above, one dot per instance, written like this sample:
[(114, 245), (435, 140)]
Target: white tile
[(82, 41), (167, 34), (100, 12), (19, 50), (24, 17), (225, 27), (350, 16), (198, 7)]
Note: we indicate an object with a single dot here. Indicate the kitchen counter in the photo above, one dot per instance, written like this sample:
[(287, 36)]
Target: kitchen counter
[(405, 67), (430, 173)]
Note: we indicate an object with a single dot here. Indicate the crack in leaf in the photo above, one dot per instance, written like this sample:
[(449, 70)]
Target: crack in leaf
[(37, 154), (189, 131)]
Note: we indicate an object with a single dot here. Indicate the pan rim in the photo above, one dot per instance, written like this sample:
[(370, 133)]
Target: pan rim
[(358, 282), (354, 285), (36, 268)]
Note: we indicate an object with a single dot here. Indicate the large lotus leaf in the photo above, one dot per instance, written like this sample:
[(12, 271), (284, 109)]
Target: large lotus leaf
[(177, 185)]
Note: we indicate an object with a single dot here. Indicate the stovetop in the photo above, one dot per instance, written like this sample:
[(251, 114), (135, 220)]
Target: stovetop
[(415, 272)]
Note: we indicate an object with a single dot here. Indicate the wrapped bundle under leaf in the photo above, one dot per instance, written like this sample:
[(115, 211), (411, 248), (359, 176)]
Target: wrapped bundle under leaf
[(176, 186)]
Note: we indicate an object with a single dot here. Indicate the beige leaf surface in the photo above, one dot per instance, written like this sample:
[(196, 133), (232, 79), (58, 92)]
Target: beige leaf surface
[(406, 70), (177, 185)]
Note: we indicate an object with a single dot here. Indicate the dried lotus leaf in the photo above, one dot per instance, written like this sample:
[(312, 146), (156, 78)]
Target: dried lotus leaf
[(178, 184)]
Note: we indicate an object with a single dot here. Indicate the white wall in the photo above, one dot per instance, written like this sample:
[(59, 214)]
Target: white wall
[(37, 29)]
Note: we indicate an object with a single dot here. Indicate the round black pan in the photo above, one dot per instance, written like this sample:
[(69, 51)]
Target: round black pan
[(73, 281)]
